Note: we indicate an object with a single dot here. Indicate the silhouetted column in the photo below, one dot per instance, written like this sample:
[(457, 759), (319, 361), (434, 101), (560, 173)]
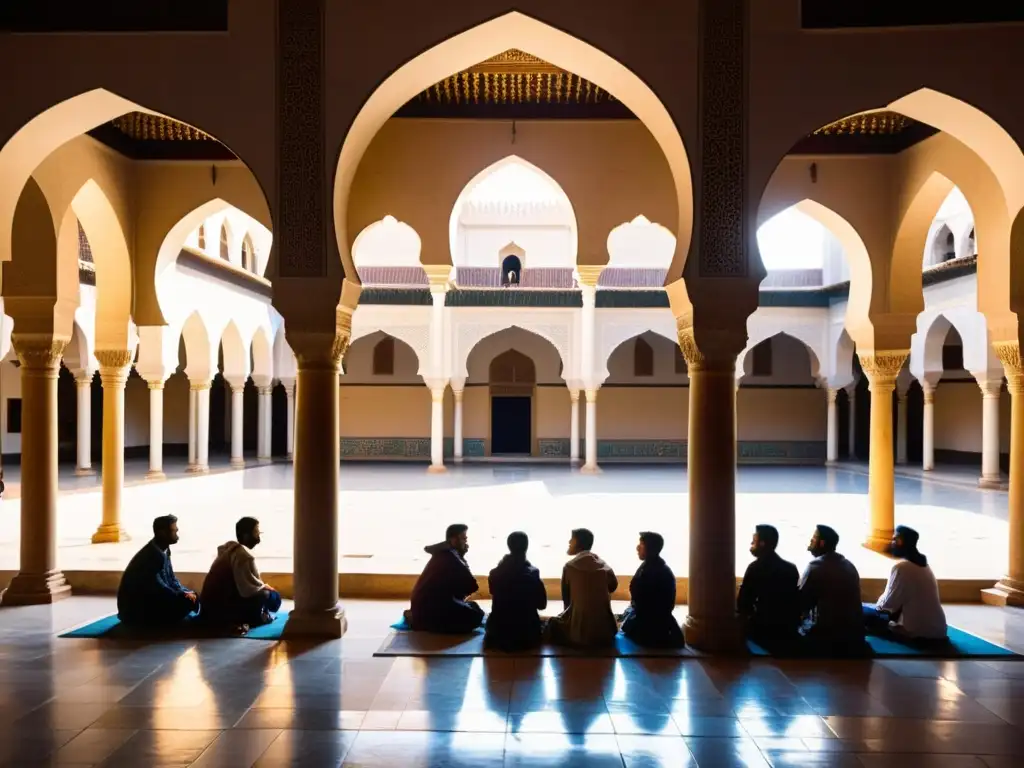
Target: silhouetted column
[(1010, 589), (457, 450), (83, 386), (991, 388), (156, 430), (38, 580), (881, 368), (832, 436), (574, 426), (114, 367), (317, 456), (237, 423), (928, 428)]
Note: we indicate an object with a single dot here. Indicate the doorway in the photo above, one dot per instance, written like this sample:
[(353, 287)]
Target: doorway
[(512, 381)]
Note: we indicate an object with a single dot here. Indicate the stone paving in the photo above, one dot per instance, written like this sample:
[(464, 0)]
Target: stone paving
[(387, 513)]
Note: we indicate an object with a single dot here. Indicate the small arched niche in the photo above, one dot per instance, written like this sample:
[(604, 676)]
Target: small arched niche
[(511, 258)]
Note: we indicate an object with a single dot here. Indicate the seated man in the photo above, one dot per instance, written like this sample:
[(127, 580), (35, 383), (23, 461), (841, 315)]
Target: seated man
[(587, 583), (233, 592), (769, 601), (830, 600), (649, 620), (150, 595), (517, 593), (910, 607), (439, 601)]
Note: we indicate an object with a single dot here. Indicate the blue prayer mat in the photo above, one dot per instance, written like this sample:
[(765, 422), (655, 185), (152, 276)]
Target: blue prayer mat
[(961, 645), (112, 628)]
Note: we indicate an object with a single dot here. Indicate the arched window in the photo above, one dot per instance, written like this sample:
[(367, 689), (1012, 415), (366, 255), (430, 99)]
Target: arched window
[(511, 270), (384, 357), (248, 255), (950, 253), (762, 362), (643, 358), (225, 246), (202, 237)]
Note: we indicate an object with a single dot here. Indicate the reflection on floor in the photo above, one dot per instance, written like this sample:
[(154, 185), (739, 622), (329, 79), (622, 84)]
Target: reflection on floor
[(246, 703), (963, 530)]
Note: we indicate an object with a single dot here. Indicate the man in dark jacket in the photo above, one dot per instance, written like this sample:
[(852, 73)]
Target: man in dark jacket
[(769, 601), (830, 600), (150, 595), (439, 601), (649, 620), (518, 593)]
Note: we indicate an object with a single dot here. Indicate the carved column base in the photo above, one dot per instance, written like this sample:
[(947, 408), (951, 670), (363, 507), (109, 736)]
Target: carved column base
[(589, 469), (238, 463), (718, 635), (326, 624), (36, 589), (198, 469), (995, 482), (1007, 592), (436, 469), (85, 472), (878, 541), (155, 475), (110, 534)]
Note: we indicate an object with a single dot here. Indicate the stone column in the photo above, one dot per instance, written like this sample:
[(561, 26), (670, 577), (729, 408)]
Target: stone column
[(263, 434), (901, 424), (436, 431), (289, 393), (114, 367), (317, 457), (851, 436), (711, 457), (192, 421), (1010, 589), (83, 385), (457, 393), (201, 391), (832, 451), (928, 437), (991, 388), (574, 426), (590, 466), (38, 580), (881, 368), (237, 423), (156, 430)]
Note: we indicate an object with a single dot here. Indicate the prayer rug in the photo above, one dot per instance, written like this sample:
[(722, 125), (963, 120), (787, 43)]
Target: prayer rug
[(110, 627), (961, 645)]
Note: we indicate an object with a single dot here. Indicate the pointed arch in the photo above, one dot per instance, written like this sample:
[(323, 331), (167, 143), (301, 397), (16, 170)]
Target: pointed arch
[(641, 243), (262, 354), (512, 367), (514, 30), (225, 240), (472, 346), (812, 355), (235, 352), (387, 242), (202, 236), (248, 254), (200, 354)]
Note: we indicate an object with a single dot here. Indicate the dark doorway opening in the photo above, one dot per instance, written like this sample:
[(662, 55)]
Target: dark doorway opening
[(511, 420)]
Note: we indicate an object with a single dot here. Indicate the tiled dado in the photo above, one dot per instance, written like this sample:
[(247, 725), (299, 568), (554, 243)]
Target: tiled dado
[(404, 447), (782, 452)]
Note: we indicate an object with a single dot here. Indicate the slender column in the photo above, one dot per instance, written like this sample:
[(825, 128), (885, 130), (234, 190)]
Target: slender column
[(114, 367), (289, 392), (237, 424), (590, 465), (437, 431), (574, 426), (83, 385), (458, 425), (851, 435), (711, 447), (317, 456), (832, 455), (901, 425), (38, 580), (192, 421), (263, 434), (1010, 589), (881, 368), (928, 438), (156, 430), (201, 390), (991, 388)]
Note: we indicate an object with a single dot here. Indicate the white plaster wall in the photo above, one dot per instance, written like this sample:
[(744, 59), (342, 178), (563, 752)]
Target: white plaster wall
[(545, 246)]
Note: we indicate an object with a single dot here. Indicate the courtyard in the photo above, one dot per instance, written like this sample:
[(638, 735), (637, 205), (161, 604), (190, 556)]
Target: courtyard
[(388, 512)]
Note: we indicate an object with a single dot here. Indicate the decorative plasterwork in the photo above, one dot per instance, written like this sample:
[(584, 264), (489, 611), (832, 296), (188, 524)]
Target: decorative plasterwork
[(145, 127), (614, 328), (470, 328), (881, 122)]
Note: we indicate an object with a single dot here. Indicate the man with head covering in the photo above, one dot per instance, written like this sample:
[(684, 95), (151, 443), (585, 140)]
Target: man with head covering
[(587, 584), (150, 595), (648, 620), (830, 600), (517, 593), (439, 601), (769, 602), (910, 606), (234, 594)]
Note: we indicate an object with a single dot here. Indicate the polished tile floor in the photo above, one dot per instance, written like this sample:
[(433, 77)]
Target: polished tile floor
[(963, 529), (246, 703)]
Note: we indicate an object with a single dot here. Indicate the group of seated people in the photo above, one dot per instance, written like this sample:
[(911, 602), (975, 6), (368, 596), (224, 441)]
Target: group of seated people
[(821, 614), (440, 599), (234, 597)]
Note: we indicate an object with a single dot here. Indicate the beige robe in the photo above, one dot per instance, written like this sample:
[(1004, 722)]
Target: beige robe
[(587, 620)]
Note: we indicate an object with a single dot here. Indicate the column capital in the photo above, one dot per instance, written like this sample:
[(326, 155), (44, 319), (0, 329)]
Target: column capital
[(457, 394), (991, 386), (39, 352), (438, 277), (882, 367), (199, 386), (591, 395), (574, 395), (83, 377), (712, 350), (155, 383), (322, 350), (236, 383), (588, 274), (1008, 353), (929, 393), (831, 395), (115, 365), (437, 395), (288, 383)]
